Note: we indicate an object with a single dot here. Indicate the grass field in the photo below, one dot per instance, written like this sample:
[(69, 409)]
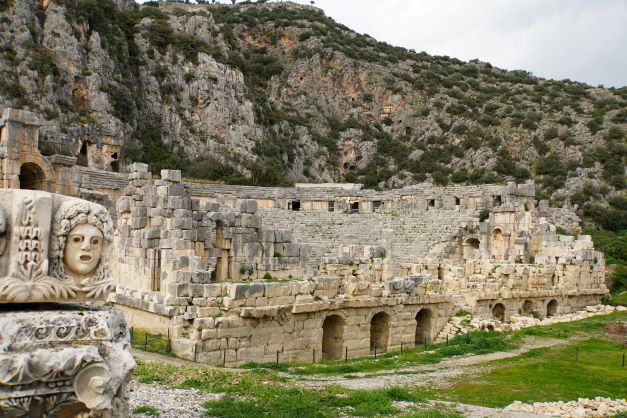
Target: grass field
[(545, 375), (588, 365)]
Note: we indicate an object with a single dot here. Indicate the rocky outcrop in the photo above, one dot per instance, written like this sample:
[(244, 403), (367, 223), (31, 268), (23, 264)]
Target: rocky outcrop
[(280, 92)]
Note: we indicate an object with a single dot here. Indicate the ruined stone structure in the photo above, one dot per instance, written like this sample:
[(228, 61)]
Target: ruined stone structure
[(58, 358), (236, 274)]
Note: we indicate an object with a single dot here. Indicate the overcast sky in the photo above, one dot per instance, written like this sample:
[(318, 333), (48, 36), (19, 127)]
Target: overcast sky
[(583, 40)]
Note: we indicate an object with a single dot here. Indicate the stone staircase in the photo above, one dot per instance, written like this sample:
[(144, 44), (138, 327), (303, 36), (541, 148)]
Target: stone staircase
[(323, 232)]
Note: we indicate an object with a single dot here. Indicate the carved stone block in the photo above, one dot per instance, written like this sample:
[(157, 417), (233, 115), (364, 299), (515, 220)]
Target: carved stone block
[(65, 362), (53, 248)]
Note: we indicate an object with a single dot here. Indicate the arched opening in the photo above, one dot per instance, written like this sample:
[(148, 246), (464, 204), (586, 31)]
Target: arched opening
[(379, 332), (471, 245), (498, 312), (81, 158), (423, 326), (551, 308), (31, 177), (332, 337), (497, 244), (527, 307)]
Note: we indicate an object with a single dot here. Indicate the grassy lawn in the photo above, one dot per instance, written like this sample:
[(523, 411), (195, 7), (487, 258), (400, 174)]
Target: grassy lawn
[(545, 375)]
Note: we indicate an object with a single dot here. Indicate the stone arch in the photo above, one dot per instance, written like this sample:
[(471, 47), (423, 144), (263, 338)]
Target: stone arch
[(423, 325), (32, 177), (333, 337), (497, 244), (470, 246), (498, 312), (551, 308), (36, 163), (527, 307), (380, 332)]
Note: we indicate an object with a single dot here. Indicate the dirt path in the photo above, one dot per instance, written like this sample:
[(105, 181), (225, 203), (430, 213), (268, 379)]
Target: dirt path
[(438, 374)]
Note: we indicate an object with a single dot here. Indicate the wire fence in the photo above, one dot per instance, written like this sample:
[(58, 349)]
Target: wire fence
[(161, 343)]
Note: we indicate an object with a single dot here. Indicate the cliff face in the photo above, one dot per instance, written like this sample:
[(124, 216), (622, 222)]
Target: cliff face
[(278, 92)]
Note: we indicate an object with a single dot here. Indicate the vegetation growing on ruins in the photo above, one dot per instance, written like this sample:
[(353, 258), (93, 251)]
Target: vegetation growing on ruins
[(461, 122)]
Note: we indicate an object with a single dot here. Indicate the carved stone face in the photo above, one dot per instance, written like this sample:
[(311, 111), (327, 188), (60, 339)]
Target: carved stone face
[(83, 249)]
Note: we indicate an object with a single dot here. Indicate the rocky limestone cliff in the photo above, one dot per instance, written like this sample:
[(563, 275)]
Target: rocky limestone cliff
[(274, 93)]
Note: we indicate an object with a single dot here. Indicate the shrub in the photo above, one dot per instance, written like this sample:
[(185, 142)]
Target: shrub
[(484, 214), (551, 133)]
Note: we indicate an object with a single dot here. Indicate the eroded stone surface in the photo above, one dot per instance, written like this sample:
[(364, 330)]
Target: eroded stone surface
[(64, 362), (45, 261)]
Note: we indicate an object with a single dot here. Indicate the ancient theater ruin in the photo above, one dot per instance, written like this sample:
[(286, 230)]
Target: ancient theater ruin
[(237, 274)]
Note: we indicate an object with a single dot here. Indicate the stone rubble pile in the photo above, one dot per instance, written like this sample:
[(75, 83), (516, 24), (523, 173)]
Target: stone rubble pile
[(464, 324), (597, 407)]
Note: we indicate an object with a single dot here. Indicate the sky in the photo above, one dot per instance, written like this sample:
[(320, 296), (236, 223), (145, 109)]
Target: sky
[(582, 40)]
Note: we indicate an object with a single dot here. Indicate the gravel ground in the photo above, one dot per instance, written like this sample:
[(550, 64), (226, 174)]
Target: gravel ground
[(171, 403)]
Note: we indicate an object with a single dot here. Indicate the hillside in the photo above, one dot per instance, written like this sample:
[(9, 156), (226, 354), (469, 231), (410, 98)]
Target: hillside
[(273, 93)]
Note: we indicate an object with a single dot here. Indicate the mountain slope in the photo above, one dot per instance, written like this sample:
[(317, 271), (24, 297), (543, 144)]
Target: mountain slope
[(273, 93)]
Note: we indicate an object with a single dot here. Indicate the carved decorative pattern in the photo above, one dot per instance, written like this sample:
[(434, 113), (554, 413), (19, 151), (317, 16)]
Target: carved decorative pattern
[(48, 406), (29, 280), (68, 216)]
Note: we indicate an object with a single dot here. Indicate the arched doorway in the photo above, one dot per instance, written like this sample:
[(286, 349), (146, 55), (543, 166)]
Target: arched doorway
[(471, 245), (379, 332), (423, 326), (31, 177), (527, 307), (332, 337), (498, 311), (551, 308)]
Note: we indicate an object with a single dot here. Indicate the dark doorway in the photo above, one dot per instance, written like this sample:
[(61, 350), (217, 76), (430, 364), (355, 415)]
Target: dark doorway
[(31, 177)]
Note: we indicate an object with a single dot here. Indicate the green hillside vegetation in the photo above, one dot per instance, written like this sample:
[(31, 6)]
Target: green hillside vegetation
[(457, 122)]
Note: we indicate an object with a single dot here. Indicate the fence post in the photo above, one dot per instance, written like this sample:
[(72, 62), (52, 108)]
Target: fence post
[(447, 340), (401, 347), (169, 346), (375, 352), (224, 358), (314, 355), (425, 343), (132, 329), (346, 354), (277, 357), (145, 340)]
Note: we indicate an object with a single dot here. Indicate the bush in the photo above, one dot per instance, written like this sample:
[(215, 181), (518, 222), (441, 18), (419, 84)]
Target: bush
[(484, 214)]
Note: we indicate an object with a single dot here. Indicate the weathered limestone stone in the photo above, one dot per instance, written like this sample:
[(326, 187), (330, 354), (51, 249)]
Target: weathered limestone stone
[(64, 362), (56, 248), (58, 359)]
